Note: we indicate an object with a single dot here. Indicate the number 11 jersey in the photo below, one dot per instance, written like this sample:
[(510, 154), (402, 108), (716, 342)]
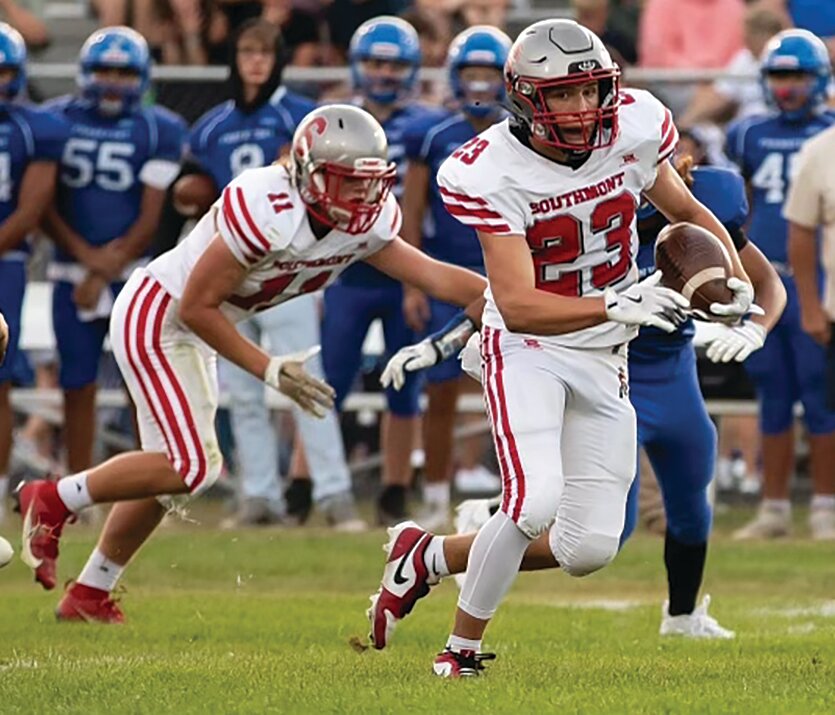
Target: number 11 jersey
[(578, 222)]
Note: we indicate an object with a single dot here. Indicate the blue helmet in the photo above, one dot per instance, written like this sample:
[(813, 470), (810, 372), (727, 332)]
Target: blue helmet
[(797, 51), (120, 48), (12, 56), (478, 46), (389, 39)]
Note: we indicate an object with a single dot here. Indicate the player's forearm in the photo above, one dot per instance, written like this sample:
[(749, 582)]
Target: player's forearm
[(769, 292), (540, 313), (64, 237), (803, 259), (452, 284), (216, 330), (17, 227)]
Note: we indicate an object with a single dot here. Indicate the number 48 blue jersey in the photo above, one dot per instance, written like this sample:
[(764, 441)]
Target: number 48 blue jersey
[(765, 147), (106, 165)]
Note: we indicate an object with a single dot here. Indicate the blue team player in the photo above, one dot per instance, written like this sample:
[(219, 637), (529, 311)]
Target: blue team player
[(116, 167), (385, 57), (31, 142), (475, 63), (673, 424), (252, 130), (792, 366)]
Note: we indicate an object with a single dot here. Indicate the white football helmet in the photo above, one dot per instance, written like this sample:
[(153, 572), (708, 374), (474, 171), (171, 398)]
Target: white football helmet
[(561, 53), (339, 163)]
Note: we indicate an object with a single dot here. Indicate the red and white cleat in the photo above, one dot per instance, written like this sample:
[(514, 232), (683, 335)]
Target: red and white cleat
[(44, 516), (87, 604), (405, 580), (466, 664)]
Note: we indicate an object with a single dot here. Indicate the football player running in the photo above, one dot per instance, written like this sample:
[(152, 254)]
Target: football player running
[(553, 195), (791, 367), (116, 167), (475, 63), (673, 425), (385, 57), (33, 140), (276, 233), (246, 132)]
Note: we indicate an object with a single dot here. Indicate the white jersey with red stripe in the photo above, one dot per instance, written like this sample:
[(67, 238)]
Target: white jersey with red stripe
[(263, 221), (579, 222)]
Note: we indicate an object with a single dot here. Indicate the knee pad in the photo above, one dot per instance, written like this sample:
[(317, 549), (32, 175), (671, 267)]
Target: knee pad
[(537, 512), (587, 554)]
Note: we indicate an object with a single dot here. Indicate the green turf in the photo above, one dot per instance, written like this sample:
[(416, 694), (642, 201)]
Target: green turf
[(223, 622)]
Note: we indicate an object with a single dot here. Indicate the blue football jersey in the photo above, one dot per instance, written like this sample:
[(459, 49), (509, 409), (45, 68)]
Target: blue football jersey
[(27, 134), (430, 140), (765, 147), (225, 141), (395, 127), (99, 191), (723, 192)]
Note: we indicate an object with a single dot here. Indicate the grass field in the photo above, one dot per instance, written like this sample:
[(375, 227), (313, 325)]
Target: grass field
[(223, 622)]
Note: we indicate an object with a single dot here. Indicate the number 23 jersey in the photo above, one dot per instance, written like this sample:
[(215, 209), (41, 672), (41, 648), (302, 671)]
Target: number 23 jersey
[(579, 223)]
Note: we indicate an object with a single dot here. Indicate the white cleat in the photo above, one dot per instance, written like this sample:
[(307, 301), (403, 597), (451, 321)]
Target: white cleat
[(693, 625), (822, 524), (768, 524), (470, 516)]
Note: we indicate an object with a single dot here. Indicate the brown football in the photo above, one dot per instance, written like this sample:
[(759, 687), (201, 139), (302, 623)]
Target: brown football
[(694, 262), (193, 194)]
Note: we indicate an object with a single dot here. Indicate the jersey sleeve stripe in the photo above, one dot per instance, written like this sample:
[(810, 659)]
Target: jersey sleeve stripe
[(447, 194), (251, 252), (397, 220), (461, 212), (668, 146), (265, 244)]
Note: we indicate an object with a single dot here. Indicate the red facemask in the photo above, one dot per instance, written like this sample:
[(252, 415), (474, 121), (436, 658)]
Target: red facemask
[(599, 126), (357, 213)]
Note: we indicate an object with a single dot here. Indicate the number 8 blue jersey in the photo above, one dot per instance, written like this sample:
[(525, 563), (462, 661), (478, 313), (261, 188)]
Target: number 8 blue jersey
[(106, 164), (765, 147)]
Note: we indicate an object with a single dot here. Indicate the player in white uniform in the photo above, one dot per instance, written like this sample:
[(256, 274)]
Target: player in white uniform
[(276, 232), (553, 195)]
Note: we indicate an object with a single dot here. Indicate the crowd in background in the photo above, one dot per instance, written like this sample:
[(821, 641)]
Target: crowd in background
[(726, 35)]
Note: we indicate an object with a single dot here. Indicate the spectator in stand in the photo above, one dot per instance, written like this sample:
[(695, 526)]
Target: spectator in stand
[(26, 16), (817, 16), (345, 16), (594, 14), (297, 20), (728, 98), (689, 34)]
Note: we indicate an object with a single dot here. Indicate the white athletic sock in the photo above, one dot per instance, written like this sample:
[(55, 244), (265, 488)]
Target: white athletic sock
[(100, 572), (494, 561), (457, 644), (434, 559), (823, 501), (783, 506), (73, 492), (436, 493)]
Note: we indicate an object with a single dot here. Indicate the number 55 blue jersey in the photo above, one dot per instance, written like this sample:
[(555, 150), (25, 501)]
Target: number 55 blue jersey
[(107, 161)]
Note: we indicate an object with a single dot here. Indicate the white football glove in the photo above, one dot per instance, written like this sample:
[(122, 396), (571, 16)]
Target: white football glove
[(647, 303), (286, 374), (409, 359), (743, 302), (736, 342)]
